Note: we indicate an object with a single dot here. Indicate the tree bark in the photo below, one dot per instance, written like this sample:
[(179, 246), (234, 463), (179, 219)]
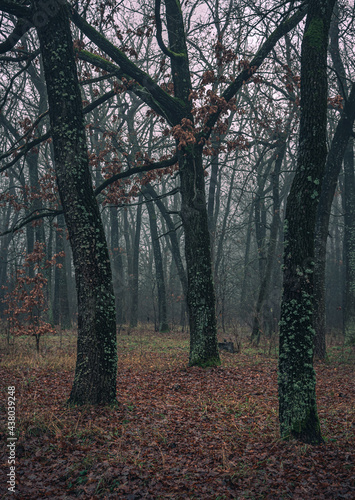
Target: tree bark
[(349, 246), (96, 366), (200, 293), (297, 400)]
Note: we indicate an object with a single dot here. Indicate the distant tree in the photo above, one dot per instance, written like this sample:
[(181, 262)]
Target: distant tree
[(25, 303), (341, 149)]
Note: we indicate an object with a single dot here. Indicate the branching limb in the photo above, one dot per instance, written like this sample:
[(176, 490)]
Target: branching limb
[(22, 70), (136, 170), (162, 46), (21, 27), (256, 62), (114, 70), (171, 106), (29, 145), (15, 9), (37, 214)]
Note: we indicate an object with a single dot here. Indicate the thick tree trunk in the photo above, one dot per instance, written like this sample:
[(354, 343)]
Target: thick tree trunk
[(297, 399), (96, 367), (200, 294)]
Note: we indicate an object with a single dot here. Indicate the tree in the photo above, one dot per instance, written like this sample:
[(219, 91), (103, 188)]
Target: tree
[(96, 367), (340, 149), (95, 374), (297, 399), (191, 129), (26, 302)]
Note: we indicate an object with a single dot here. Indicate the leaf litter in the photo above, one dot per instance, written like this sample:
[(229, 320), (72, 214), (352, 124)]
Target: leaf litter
[(177, 432)]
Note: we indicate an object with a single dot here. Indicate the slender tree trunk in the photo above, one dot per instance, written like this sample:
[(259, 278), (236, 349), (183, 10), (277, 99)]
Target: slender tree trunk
[(222, 236), (349, 246), (297, 399), (4, 250), (332, 169), (159, 271), (96, 367), (243, 304), (175, 247), (258, 323), (129, 253), (61, 313), (117, 267), (133, 315)]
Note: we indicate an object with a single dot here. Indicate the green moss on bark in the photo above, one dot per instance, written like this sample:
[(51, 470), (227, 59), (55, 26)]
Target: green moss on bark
[(315, 33)]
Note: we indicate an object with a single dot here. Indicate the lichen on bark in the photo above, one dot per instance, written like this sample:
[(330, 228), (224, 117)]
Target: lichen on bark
[(96, 367)]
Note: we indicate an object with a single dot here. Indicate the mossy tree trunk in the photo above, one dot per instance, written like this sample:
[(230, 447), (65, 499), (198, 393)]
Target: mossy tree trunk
[(200, 297), (200, 290), (96, 366), (297, 399)]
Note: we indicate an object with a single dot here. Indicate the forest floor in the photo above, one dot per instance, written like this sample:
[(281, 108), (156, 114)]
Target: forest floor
[(177, 432)]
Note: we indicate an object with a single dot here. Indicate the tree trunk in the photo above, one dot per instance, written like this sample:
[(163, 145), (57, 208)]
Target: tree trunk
[(96, 366), (61, 313), (134, 290), (200, 295), (258, 324), (349, 246), (244, 302), (297, 399), (332, 169), (159, 271), (117, 267), (175, 247)]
